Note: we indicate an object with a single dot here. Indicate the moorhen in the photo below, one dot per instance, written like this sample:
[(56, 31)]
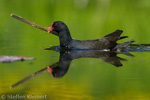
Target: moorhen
[(107, 42), (60, 68)]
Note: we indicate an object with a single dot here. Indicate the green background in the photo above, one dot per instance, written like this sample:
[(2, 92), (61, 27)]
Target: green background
[(87, 78)]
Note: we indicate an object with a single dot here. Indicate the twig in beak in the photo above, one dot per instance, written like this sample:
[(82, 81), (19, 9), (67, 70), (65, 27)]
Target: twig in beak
[(30, 23)]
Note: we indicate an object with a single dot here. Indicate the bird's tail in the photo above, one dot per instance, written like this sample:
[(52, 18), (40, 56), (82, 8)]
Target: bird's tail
[(123, 45), (113, 37)]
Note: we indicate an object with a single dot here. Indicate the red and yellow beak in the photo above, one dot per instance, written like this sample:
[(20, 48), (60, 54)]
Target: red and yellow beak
[(50, 28), (50, 70)]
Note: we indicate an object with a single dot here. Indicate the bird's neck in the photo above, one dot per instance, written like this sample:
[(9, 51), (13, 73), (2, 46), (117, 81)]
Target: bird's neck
[(65, 39)]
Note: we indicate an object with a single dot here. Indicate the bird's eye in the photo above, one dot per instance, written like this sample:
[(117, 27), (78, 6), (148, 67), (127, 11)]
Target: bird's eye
[(55, 24)]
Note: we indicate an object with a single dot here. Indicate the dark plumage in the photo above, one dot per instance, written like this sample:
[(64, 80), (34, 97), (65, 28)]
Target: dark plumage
[(107, 42)]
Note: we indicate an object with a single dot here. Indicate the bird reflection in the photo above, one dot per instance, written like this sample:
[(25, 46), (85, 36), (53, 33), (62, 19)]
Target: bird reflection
[(61, 67)]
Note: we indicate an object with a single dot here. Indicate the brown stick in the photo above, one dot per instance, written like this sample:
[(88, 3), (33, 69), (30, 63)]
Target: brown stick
[(29, 22), (29, 77)]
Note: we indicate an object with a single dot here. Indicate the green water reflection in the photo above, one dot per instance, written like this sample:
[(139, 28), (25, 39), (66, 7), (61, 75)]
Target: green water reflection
[(87, 78)]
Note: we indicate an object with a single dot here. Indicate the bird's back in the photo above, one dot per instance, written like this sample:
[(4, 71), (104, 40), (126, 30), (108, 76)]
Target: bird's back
[(106, 42)]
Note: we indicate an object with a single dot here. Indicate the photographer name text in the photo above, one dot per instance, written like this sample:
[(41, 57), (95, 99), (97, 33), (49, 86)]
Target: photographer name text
[(19, 96)]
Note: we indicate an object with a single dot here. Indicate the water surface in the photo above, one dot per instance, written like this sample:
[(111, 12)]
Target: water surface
[(86, 78)]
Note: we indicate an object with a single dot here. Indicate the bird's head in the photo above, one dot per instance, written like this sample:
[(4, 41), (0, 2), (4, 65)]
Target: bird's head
[(57, 27)]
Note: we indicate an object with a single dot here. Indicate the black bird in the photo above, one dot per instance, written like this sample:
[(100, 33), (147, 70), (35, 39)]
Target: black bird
[(60, 68), (107, 42)]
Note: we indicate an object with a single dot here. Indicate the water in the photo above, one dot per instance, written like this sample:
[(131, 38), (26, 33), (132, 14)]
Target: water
[(89, 78)]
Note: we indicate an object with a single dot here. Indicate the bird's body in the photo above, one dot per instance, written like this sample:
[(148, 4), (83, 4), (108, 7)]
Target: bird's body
[(96, 44), (107, 42)]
